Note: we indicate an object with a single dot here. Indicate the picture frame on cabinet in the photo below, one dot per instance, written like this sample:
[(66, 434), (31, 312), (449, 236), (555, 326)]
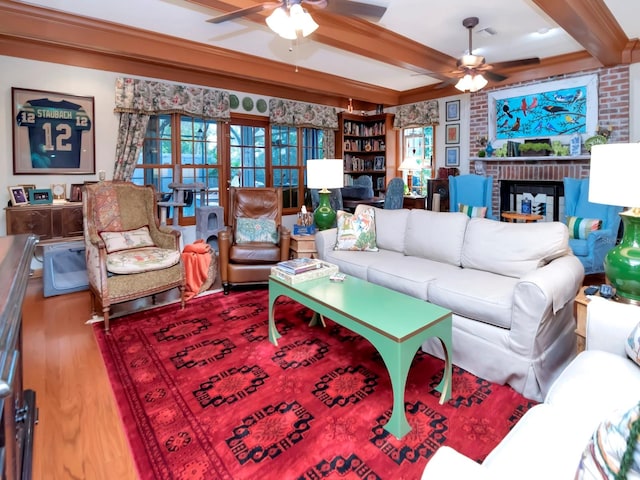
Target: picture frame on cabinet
[(18, 196), (452, 111), (75, 194), (452, 133), (53, 133), (27, 188), (41, 196), (452, 156), (378, 163)]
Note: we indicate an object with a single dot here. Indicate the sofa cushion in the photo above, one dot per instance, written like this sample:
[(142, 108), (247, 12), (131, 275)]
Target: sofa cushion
[(481, 296), (249, 230), (408, 275), (512, 249), (437, 236), (126, 240), (390, 228), (608, 446), (357, 231), (582, 227), (140, 260), (358, 263)]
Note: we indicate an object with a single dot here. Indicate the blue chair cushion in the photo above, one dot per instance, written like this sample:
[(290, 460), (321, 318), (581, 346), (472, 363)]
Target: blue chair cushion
[(579, 247)]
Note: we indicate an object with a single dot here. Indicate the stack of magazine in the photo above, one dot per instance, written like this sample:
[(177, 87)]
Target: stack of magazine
[(302, 269)]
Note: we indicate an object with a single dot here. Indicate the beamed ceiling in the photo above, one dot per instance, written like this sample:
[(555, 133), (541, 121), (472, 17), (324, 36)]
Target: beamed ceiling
[(95, 40)]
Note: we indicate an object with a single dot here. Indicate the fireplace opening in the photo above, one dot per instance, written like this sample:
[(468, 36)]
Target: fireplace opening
[(541, 197)]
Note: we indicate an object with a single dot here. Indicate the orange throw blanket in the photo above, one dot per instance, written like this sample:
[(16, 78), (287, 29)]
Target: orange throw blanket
[(196, 259)]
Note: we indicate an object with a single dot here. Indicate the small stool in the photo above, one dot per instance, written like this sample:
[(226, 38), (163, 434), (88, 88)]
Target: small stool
[(209, 222)]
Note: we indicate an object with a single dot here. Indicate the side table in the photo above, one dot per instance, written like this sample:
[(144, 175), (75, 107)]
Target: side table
[(525, 217), (303, 246), (580, 312)]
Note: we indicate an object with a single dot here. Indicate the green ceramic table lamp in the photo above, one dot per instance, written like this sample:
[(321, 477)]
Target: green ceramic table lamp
[(613, 180), (324, 174)]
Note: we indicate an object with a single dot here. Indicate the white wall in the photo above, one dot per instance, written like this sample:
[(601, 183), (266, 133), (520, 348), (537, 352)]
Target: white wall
[(634, 103)]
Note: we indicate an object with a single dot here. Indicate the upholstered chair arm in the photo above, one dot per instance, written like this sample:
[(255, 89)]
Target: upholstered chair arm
[(599, 243), (285, 243), (325, 241), (96, 259), (165, 237), (225, 239)]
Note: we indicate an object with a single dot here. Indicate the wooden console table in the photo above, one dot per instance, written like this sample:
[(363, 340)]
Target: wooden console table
[(414, 202), (48, 222), (525, 217)]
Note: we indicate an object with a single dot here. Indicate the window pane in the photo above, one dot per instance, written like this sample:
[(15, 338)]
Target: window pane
[(418, 143), (248, 156)]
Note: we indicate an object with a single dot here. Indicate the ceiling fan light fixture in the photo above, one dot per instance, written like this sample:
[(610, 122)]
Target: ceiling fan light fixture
[(291, 24), (471, 83)]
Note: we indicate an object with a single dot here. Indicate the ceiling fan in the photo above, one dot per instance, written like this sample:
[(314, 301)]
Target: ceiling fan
[(338, 7), (470, 64)]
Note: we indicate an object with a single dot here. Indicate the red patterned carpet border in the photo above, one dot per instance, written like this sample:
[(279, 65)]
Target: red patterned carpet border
[(203, 394)]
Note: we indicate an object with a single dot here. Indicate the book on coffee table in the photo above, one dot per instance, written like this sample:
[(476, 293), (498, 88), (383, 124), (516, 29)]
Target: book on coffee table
[(299, 265), (325, 270)]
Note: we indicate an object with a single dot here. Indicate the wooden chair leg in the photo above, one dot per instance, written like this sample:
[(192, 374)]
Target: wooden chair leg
[(105, 315), (182, 290)]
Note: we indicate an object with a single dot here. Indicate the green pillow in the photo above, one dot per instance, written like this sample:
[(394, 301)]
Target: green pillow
[(581, 227), (249, 230), (472, 212)]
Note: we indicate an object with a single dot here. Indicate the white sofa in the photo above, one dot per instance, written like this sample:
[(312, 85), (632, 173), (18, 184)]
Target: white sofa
[(510, 286), (547, 443)]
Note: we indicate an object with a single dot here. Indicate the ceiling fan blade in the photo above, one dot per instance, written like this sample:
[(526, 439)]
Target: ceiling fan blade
[(495, 77), (245, 11), (357, 9), (516, 63)]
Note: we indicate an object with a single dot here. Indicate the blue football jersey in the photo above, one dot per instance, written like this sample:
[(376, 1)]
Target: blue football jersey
[(55, 132)]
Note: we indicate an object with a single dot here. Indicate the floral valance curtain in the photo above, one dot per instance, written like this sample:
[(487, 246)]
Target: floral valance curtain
[(299, 114), (417, 114), (151, 98)]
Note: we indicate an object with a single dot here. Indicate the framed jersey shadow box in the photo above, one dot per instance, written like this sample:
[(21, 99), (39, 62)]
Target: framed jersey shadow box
[(53, 133)]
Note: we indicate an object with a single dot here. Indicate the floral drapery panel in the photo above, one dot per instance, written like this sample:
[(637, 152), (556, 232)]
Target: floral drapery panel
[(417, 114), (136, 100), (300, 114)]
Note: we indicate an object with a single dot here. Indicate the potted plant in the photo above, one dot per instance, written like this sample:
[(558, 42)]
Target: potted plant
[(535, 149)]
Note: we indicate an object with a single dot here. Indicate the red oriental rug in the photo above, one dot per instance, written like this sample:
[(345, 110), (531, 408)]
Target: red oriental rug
[(203, 394)]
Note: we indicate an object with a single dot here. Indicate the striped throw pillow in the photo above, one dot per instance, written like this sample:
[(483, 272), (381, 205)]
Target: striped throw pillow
[(470, 211), (582, 227)]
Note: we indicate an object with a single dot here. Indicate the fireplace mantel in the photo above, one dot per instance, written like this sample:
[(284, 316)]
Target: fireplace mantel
[(531, 159)]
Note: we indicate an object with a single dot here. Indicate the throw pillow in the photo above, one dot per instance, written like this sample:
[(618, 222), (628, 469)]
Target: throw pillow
[(632, 346), (614, 450), (249, 230), (118, 241), (581, 227), (357, 231), (472, 212)]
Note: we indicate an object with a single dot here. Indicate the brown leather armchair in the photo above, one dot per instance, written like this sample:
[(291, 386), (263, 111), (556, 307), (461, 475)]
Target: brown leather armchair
[(250, 262)]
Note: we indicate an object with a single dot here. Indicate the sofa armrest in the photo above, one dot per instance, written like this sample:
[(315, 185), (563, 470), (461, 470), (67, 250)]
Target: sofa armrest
[(447, 463), (325, 241), (609, 324)]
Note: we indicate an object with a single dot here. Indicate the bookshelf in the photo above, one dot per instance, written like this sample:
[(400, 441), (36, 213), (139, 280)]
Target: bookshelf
[(367, 144)]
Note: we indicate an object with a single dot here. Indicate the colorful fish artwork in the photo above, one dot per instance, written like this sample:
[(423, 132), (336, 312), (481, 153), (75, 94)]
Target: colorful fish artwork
[(557, 112)]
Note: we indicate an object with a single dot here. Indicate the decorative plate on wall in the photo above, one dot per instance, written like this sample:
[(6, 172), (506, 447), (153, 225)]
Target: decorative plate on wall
[(247, 104), (261, 105), (234, 102)]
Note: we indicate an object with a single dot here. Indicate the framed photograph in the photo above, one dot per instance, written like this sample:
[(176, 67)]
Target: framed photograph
[(27, 188), (18, 196), (378, 163), (452, 111), (452, 155), (41, 196), (75, 195), (452, 133), (52, 133)]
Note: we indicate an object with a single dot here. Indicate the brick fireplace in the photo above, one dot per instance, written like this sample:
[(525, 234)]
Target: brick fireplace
[(514, 176)]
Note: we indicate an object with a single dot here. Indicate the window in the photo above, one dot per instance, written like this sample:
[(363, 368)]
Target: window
[(418, 142), (196, 158)]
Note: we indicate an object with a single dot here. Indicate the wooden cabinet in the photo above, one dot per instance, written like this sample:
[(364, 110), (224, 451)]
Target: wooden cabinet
[(303, 246), (48, 222), (414, 202), (367, 144)]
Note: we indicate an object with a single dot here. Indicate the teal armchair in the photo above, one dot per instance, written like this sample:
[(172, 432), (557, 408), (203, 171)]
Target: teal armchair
[(592, 250), (472, 190)]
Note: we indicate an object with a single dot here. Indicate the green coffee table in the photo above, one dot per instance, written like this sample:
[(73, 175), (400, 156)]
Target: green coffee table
[(395, 323)]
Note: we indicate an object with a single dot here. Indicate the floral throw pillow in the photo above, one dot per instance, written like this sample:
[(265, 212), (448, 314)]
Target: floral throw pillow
[(118, 241), (249, 230), (581, 227), (472, 212), (357, 231), (632, 347)]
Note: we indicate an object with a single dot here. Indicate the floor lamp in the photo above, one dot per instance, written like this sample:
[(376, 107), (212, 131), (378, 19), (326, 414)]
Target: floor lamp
[(613, 180), (325, 174)]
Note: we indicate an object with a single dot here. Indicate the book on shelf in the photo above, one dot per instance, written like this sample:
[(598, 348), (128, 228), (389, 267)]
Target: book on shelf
[(299, 265)]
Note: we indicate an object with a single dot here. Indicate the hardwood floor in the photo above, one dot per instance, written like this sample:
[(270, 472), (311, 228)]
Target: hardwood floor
[(79, 433)]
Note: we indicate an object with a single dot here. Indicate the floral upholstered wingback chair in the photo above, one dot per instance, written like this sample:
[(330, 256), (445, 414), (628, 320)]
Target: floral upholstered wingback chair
[(129, 256)]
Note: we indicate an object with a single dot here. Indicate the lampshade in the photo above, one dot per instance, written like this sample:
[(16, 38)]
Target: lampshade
[(409, 164), (614, 174), (471, 83), (613, 180), (325, 173), (289, 24)]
